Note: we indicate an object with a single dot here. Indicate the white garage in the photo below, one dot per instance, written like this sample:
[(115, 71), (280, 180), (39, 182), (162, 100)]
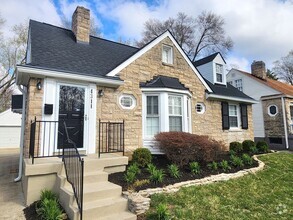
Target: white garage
[(10, 126)]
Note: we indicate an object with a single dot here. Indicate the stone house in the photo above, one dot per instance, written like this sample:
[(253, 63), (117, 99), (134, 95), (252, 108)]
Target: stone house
[(273, 115), (110, 97)]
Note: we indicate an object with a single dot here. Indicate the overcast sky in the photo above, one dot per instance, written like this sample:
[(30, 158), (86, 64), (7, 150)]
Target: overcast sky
[(260, 29)]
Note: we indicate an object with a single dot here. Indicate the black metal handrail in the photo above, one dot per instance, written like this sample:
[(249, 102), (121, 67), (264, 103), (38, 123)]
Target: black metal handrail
[(111, 137), (74, 169), (43, 139)]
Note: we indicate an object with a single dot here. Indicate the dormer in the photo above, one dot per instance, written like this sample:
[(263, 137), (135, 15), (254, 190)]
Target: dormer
[(212, 68)]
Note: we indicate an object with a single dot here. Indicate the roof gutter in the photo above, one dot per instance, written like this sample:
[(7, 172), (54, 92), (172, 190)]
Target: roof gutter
[(24, 93), (285, 123), (221, 97), (25, 72)]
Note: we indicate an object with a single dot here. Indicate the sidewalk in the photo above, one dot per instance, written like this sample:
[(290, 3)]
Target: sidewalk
[(11, 197)]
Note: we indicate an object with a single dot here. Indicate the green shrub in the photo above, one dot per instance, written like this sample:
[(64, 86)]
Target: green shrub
[(48, 208), (236, 147), (182, 148), (162, 212), (150, 168), (194, 167), (174, 171), (213, 166), (248, 145), (157, 176), (253, 150), (224, 165), (232, 152), (133, 168), (236, 161), (129, 177), (142, 156), (262, 147), (247, 159)]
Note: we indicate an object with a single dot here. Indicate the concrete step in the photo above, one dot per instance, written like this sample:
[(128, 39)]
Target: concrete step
[(93, 163), (95, 176), (121, 216), (104, 207)]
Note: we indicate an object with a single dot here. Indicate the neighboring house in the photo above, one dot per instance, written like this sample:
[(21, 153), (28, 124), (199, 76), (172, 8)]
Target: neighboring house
[(114, 97), (273, 115), (10, 125)]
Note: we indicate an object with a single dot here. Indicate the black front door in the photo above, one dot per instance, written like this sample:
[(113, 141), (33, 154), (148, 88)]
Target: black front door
[(71, 111)]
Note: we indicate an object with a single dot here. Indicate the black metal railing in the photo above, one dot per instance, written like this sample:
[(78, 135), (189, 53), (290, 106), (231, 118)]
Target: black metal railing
[(111, 137), (43, 139), (74, 169)]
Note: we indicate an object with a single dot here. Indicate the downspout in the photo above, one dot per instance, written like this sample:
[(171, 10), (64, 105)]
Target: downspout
[(24, 93), (285, 122)]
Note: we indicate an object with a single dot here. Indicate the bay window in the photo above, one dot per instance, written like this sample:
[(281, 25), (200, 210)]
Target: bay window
[(152, 115), (175, 113)]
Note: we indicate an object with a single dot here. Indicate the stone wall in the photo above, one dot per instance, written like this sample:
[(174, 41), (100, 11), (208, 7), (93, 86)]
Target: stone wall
[(144, 69), (33, 109)]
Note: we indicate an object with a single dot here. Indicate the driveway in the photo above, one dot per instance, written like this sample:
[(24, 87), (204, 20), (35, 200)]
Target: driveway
[(11, 197)]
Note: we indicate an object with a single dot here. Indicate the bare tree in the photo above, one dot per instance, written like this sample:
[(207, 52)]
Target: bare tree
[(198, 36), (271, 75), (12, 52), (94, 28), (283, 68)]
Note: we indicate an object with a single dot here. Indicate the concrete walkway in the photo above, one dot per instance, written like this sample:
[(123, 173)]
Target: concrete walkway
[(11, 197)]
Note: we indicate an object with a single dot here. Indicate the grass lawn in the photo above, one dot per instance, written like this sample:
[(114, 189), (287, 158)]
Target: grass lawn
[(266, 195)]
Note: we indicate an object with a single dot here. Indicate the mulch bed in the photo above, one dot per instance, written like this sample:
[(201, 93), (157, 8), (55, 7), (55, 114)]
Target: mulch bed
[(161, 162)]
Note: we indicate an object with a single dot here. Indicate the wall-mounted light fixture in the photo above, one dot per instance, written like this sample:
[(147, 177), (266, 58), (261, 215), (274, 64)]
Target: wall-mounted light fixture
[(101, 93), (39, 85)]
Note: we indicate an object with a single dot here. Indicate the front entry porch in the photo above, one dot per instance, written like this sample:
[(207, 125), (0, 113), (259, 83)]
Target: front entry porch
[(80, 179)]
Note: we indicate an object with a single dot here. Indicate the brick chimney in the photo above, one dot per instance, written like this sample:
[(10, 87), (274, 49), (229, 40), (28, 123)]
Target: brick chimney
[(258, 69), (81, 24)]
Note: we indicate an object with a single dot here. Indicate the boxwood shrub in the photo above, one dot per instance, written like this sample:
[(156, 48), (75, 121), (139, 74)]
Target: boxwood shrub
[(262, 147), (142, 157), (248, 145), (236, 147)]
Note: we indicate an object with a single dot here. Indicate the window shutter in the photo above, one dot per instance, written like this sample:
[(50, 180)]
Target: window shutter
[(244, 117), (225, 116)]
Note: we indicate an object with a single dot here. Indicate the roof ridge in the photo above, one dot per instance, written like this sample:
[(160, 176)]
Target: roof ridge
[(66, 29)]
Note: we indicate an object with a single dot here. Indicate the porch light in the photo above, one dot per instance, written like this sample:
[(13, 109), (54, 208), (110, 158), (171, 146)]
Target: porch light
[(39, 85), (100, 93)]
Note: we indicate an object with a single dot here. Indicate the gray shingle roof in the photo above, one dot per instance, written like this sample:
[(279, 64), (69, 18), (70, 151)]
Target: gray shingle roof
[(55, 48), (163, 82), (207, 59), (229, 91)]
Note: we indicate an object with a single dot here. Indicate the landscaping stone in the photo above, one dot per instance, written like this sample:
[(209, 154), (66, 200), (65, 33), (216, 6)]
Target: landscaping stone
[(139, 202)]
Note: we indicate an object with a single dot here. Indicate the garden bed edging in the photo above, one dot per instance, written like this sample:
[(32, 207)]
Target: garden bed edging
[(139, 202)]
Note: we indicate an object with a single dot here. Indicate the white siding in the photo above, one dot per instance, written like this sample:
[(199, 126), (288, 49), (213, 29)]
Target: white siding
[(254, 89)]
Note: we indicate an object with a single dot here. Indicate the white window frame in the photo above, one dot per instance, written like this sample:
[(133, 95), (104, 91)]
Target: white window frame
[(164, 108), (237, 86), (203, 108), (169, 50), (127, 96), (277, 110), (152, 116), (221, 72), (238, 116), (173, 106)]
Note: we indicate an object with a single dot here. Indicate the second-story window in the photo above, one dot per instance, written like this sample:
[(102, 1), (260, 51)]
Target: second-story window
[(167, 54), (219, 72)]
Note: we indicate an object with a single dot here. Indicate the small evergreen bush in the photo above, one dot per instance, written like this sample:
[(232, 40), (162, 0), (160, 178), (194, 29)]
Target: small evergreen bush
[(142, 156), (236, 147), (248, 145), (262, 147), (247, 159), (174, 171), (224, 165), (213, 166), (236, 161), (157, 176), (194, 167)]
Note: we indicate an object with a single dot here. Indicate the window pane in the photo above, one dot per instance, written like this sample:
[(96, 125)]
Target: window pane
[(238, 84), (152, 105), (152, 126), (233, 121), (219, 77), (126, 101), (175, 105), (232, 110), (273, 110), (175, 123)]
